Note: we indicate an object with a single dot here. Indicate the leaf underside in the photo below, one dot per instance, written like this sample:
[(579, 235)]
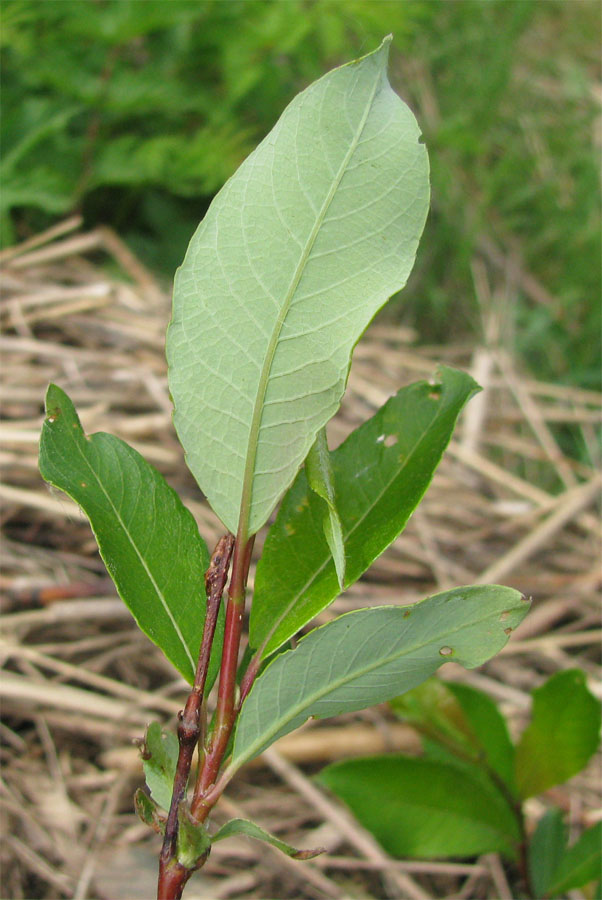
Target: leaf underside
[(381, 473), (141, 526), (370, 656), (298, 251)]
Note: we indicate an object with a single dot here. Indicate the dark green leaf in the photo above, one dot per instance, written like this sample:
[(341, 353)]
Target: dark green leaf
[(370, 655), (159, 760), (381, 473), (318, 469), (546, 850), (417, 807), (563, 733), (250, 829), (142, 529), (580, 864)]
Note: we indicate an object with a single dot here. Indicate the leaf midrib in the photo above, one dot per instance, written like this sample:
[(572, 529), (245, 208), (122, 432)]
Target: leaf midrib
[(134, 547), (322, 691), (258, 409)]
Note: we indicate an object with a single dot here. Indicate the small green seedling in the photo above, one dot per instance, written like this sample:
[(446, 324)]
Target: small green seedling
[(465, 795), (298, 251)]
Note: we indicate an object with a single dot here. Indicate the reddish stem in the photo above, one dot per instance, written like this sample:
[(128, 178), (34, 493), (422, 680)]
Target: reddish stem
[(173, 876), (226, 710)]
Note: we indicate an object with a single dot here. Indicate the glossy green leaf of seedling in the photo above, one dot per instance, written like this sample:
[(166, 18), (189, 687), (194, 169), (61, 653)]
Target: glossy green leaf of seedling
[(142, 529), (381, 473)]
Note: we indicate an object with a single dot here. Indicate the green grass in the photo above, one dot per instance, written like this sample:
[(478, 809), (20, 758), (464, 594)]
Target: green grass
[(136, 113)]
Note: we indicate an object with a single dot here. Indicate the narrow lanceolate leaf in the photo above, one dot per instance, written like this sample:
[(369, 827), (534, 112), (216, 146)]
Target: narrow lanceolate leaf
[(298, 251), (250, 829), (318, 469), (562, 736), (381, 473), (141, 526), (370, 656), (419, 807)]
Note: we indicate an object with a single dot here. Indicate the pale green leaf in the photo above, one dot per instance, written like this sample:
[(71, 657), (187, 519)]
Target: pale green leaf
[(381, 473), (370, 656), (193, 841), (141, 526), (418, 807), (298, 251), (320, 477), (159, 759), (250, 829)]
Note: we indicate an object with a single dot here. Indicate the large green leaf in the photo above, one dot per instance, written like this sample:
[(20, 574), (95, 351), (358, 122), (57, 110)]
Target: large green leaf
[(371, 655), (380, 473), (141, 526), (563, 733), (300, 248), (417, 807)]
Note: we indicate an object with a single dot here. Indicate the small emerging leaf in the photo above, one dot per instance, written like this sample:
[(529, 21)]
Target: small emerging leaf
[(417, 807), (142, 529), (159, 760), (250, 829), (194, 842), (546, 849), (580, 864), (381, 473), (368, 656), (563, 733), (148, 811), (318, 468)]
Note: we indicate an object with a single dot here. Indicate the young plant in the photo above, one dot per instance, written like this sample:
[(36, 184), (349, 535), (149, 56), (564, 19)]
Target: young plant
[(465, 795), (296, 254)]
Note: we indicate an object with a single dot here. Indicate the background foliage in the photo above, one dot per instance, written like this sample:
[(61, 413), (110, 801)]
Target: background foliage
[(136, 112)]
